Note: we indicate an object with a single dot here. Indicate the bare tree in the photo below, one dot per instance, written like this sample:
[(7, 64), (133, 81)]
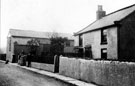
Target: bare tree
[(52, 35)]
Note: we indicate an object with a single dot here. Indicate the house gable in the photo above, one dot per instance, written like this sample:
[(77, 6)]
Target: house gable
[(108, 20)]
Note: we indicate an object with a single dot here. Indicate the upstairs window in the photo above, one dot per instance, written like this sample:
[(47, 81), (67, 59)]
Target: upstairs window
[(104, 36), (80, 40)]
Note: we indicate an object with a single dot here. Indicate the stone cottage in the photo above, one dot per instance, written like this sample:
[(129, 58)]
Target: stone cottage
[(17, 41), (111, 36)]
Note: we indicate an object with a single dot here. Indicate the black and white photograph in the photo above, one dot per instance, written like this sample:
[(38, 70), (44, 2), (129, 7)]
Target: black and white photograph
[(67, 42)]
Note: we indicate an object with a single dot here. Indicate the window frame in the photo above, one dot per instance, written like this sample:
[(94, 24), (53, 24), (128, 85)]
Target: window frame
[(103, 36), (102, 52)]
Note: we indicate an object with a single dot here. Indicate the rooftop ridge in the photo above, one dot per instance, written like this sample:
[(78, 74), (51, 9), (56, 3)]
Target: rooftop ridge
[(37, 34), (104, 18), (28, 30), (39, 31), (120, 9)]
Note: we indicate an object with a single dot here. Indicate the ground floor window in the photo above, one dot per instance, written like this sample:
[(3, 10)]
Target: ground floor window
[(104, 53)]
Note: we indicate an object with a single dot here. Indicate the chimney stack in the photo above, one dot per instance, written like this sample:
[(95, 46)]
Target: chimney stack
[(100, 12)]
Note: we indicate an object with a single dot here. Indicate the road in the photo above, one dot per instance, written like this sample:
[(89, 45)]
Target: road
[(11, 75)]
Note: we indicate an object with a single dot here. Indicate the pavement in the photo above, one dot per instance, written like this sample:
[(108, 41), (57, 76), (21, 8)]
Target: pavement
[(56, 76)]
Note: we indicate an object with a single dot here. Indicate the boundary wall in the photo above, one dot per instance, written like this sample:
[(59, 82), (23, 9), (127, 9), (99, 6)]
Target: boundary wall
[(43, 66), (106, 73)]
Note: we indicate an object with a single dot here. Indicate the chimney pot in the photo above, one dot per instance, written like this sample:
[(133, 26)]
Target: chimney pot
[(100, 12), (100, 8)]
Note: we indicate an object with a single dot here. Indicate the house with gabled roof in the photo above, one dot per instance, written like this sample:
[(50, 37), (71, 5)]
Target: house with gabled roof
[(111, 36), (17, 41)]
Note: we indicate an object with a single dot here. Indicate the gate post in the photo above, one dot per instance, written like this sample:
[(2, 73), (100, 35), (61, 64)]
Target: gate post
[(13, 59), (56, 64)]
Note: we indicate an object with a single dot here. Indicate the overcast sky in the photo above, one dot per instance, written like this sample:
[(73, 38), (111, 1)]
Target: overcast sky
[(66, 16)]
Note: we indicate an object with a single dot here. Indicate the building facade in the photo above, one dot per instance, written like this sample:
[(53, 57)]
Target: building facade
[(111, 36), (17, 41)]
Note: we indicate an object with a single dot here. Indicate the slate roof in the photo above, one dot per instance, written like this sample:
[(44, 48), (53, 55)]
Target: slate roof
[(36, 34), (108, 19)]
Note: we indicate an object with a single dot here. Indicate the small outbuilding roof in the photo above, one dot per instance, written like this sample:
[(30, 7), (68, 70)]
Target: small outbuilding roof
[(109, 19), (36, 34)]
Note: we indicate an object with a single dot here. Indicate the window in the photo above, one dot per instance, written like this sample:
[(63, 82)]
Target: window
[(104, 53), (103, 36), (80, 40)]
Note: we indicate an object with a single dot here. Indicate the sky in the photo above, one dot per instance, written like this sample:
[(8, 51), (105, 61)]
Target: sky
[(67, 16)]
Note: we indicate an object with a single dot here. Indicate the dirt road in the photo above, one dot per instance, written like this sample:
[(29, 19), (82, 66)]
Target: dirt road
[(11, 75)]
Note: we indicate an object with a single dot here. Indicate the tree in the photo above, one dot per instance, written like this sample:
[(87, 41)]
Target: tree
[(57, 44), (33, 45)]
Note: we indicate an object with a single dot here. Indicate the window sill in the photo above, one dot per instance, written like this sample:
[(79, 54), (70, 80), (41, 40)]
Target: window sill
[(103, 43)]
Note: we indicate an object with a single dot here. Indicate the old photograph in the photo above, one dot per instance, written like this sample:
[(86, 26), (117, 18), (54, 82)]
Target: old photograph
[(67, 43)]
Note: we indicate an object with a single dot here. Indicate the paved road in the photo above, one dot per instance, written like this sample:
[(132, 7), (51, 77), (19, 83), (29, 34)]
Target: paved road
[(11, 75)]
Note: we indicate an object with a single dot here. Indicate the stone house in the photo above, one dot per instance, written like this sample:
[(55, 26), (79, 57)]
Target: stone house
[(17, 41), (111, 36)]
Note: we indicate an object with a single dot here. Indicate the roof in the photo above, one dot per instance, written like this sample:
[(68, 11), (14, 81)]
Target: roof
[(36, 34), (109, 19)]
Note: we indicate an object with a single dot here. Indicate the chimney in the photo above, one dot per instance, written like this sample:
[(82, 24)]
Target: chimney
[(100, 12)]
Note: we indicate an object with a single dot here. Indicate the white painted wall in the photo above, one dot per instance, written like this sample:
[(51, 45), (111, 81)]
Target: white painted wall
[(106, 73), (94, 39)]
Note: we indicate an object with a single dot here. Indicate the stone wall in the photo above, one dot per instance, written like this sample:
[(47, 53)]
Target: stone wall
[(107, 73), (43, 66), (69, 67)]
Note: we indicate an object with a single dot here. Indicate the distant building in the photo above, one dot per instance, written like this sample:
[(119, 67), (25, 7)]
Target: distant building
[(17, 41), (111, 36)]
